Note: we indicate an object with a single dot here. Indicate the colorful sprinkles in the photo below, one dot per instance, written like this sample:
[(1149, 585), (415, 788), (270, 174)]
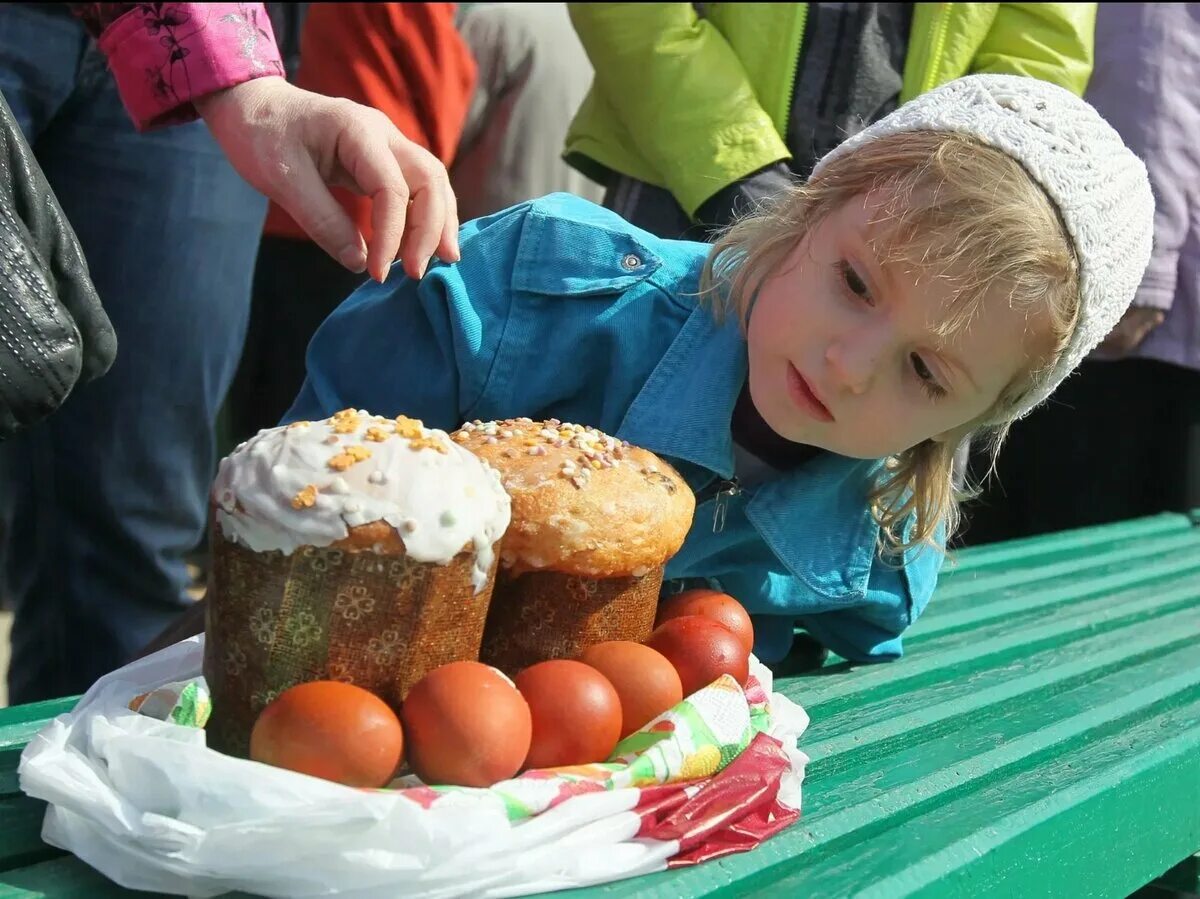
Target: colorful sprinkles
[(306, 498), (595, 450), (350, 422)]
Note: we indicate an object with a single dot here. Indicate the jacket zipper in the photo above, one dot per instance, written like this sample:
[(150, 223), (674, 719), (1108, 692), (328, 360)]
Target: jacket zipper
[(790, 93), (937, 45), (723, 492)]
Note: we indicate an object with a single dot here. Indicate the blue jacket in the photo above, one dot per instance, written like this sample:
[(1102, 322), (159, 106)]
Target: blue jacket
[(561, 309)]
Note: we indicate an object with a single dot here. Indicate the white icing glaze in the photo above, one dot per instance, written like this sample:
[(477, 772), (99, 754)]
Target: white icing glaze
[(438, 502)]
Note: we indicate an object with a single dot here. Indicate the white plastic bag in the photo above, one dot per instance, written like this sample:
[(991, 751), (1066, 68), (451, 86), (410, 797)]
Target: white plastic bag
[(147, 804)]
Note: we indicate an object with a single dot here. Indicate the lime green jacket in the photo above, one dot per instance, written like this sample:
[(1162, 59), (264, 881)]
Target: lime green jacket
[(694, 104)]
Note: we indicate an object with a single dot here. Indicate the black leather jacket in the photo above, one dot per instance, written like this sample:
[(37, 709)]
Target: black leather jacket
[(54, 333)]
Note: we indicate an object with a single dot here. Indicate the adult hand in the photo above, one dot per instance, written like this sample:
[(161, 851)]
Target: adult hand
[(1131, 330), (290, 143)]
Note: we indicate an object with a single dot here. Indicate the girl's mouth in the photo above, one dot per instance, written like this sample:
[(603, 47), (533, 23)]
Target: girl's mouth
[(805, 397)]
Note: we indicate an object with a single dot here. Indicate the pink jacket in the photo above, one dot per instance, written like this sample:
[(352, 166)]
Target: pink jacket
[(165, 55)]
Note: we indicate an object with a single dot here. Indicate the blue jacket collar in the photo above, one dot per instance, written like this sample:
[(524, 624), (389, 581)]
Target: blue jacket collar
[(685, 407)]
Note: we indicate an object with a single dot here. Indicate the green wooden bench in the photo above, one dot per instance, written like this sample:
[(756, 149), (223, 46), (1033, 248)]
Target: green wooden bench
[(1041, 738)]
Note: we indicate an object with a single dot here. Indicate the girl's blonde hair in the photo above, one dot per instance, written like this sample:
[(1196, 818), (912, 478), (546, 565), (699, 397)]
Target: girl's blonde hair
[(960, 210)]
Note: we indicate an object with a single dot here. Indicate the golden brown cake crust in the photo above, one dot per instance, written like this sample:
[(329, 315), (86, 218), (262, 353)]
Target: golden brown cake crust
[(375, 536), (583, 502)]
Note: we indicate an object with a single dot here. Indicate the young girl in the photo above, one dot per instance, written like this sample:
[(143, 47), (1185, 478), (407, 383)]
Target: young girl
[(812, 374)]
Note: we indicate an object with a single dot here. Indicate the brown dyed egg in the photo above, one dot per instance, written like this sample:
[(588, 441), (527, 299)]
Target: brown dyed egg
[(331, 730), (720, 607), (646, 682), (466, 725), (576, 713), (701, 651)]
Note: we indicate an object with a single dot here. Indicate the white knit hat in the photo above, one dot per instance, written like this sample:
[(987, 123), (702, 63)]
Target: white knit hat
[(1099, 185)]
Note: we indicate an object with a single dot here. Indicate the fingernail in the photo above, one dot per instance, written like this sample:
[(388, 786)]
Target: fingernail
[(354, 259)]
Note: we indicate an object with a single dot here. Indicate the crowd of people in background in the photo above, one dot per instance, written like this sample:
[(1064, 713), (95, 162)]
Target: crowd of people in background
[(680, 117)]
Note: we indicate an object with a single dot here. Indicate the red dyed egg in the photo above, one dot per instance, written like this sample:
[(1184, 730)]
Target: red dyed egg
[(720, 607), (701, 651), (576, 714), (646, 682), (331, 730), (467, 725)]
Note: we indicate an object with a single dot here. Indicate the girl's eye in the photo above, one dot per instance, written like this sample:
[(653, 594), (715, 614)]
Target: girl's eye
[(928, 383), (853, 282)]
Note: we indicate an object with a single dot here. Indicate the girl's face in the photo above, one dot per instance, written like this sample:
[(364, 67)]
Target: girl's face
[(844, 350)]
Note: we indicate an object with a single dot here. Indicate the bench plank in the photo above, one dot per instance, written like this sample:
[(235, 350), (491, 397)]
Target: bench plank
[(64, 878), (19, 725), (1000, 646), (1066, 543), (18, 719), (20, 833), (1108, 558)]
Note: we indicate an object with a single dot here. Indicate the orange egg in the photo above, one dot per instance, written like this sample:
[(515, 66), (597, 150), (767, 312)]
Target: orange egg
[(467, 725), (701, 651), (646, 682), (332, 730), (720, 607), (576, 713)]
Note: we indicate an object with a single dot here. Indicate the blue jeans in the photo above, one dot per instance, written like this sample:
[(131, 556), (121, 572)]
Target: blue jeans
[(101, 502)]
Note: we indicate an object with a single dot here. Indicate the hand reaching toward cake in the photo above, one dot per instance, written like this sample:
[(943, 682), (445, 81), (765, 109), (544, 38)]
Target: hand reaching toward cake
[(290, 143)]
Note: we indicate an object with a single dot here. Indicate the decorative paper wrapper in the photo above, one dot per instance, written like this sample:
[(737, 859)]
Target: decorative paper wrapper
[(708, 777), (378, 621), (550, 615), (186, 702)]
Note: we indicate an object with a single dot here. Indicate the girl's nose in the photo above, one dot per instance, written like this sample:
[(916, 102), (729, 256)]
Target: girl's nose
[(853, 360)]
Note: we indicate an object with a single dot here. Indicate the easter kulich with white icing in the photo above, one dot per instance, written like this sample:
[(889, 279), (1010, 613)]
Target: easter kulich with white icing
[(584, 502), (362, 482)]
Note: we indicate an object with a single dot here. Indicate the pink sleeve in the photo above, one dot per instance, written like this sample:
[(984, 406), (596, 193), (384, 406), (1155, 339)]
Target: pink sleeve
[(165, 55)]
